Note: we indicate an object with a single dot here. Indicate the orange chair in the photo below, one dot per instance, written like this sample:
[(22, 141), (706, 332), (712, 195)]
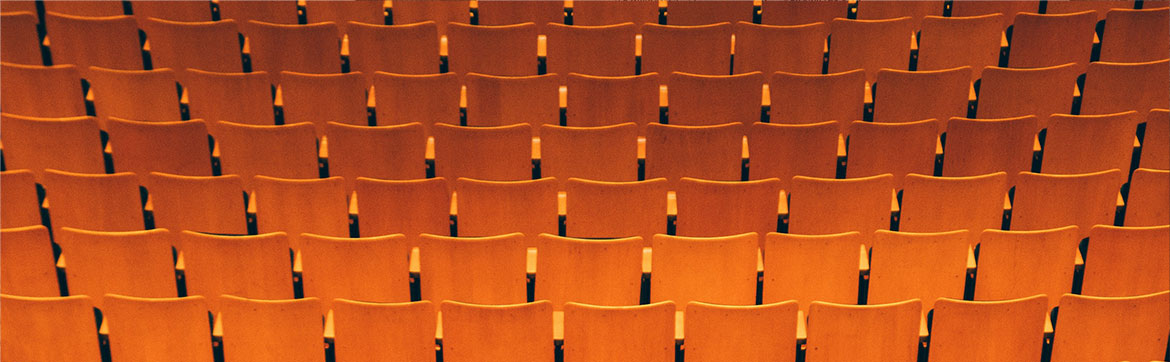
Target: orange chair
[(717, 208), (707, 100), (892, 148), (198, 203), (441, 12), (504, 50), (645, 332), (594, 50), (410, 207), (21, 206), (703, 49), (22, 45), (706, 152), (272, 330), (1050, 201), (1052, 39), (181, 45), (288, 151), (1120, 87), (324, 98), (185, 11), (741, 333), (496, 333), (708, 12), (344, 12), (214, 264), (808, 268), (486, 270), (276, 48), (916, 11), (595, 13), (960, 41), (428, 99), (86, 8), (501, 101), (1106, 329), (97, 202), (171, 147), (599, 272), (108, 41), (914, 96), (1039, 92), (1126, 261), (1082, 144), (243, 98), (242, 11), (27, 262), (1008, 330), (870, 45), (598, 209), (487, 153), (1135, 35), (373, 269), (139, 95), (135, 336), (36, 91), (1156, 144), (316, 206), (608, 153), (782, 151), (497, 207), (720, 270), (1149, 191), (1008, 9), (1016, 264), (131, 263), (35, 329), (388, 152), (770, 48), (815, 98), (384, 332), (626, 99), (923, 266), (825, 206), (496, 12), (416, 46), (982, 146), (1098, 7), (937, 204), (800, 13), (863, 333)]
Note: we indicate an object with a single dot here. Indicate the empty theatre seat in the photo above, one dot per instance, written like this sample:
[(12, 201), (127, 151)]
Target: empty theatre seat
[(316, 206), (243, 98), (808, 268), (982, 146), (37, 91), (1052, 39), (598, 272), (995, 330), (953, 42), (441, 12), (783, 151), (1149, 191), (21, 206), (608, 153), (208, 204), (1009, 9), (484, 270), (937, 204), (769, 49), (647, 332), (322, 98), (97, 202), (708, 12), (372, 269), (27, 264), (1082, 144), (98, 263), (208, 46), (827, 206), (718, 208), (599, 209), (214, 264), (178, 148), (706, 152), (718, 270), (1039, 92), (135, 336), (186, 11), (594, 50), (701, 49), (626, 99), (498, 207), (107, 42), (1052, 201), (47, 324), (913, 96), (276, 48), (272, 330), (815, 98), (343, 12), (745, 333), (541, 13), (920, 266), (870, 45), (871, 333), (390, 152), (428, 99), (604, 12), (707, 100), (1121, 87), (496, 50), (416, 47), (22, 45), (497, 333), (1156, 144), (288, 151), (1126, 261), (799, 13), (892, 148), (384, 332), (410, 207), (501, 153), (500, 101), (1134, 35), (1017, 264), (1123, 328), (916, 11), (242, 11), (139, 95)]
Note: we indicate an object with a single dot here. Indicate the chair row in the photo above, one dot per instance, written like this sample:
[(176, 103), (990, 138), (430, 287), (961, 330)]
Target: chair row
[(1039, 41), (1132, 328)]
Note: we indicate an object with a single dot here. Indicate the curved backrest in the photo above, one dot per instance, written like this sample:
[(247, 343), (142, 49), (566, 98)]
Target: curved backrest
[(35, 329), (504, 50), (496, 333), (216, 262), (1100, 8), (626, 99), (36, 91), (814, 98), (894, 148), (135, 334), (1120, 87), (936, 204), (86, 8), (343, 12), (186, 11), (742, 333), (410, 207), (1127, 261), (924, 266), (441, 12), (598, 272), (1008, 9), (869, 333), (960, 41), (870, 45), (785, 150), (97, 202), (647, 332), (209, 204), (717, 208), (1156, 143), (593, 13), (1050, 201), (384, 332), (1135, 35), (911, 96), (243, 98), (390, 152), (799, 13), (982, 146), (107, 41), (706, 152), (323, 98), (916, 11), (495, 12), (1052, 39), (808, 268), (706, 100), (499, 101), (1009, 330), (311, 48), (373, 269), (317, 206), (141, 95), (272, 330), (719, 270), (27, 263), (594, 50), (171, 147), (416, 46), (1149, 191), (499, 207), (702, 49), (599, 209), (1016, 264), (428, 99), (132, 263), (769, 48), (1081, 144), (22, 45), (1040, 92), (180, 45), (288, 151), (487, 270), (827, 206), (608, 153), (708, 12), (1100, 328), (21, 206), (279, 12), (486, 153)]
